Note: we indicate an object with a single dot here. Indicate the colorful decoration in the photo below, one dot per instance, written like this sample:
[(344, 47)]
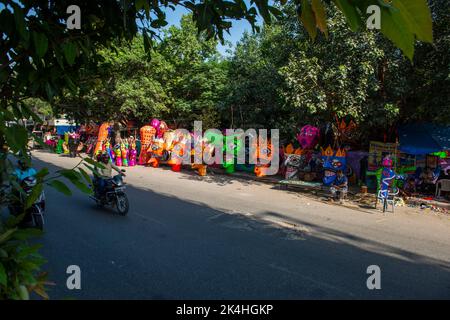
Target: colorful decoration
[(263, 152), (157, 152), (388, 177), (147, 135), (308, 137), (124, 151), (294, 160), (162, 128), (332, 162), (132, 154), (207, 150), (155, 123), (118, 155), (103, 133), (176, 145), (346, 132)]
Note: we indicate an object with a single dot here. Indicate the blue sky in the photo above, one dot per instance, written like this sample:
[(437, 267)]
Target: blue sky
[(236, 32)]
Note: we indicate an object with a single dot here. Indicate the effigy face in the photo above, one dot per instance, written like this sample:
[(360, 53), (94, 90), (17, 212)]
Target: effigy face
[(162, 128), (308, 137), (333, 162), (157, 148), (169, 139), (293, 163)]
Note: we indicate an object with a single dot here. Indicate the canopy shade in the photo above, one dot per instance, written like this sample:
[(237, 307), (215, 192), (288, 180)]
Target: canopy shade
[(423, 138)]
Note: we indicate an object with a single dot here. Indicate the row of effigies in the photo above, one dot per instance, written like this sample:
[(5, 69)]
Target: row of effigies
[(309, 163), (163, 146), (123, 153)]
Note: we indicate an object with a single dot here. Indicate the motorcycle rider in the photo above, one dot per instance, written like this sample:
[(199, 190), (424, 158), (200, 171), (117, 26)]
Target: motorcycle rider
[(22, 172), (105, 174)]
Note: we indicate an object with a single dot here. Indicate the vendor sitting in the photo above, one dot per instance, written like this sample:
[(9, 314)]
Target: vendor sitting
[(340, 184), (427, 181)]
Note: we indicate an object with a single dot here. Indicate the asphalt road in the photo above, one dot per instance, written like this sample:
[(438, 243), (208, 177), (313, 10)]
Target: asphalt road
[(226, 239)]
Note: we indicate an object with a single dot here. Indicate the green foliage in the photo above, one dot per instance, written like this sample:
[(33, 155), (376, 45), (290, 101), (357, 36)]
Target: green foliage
[(280, 78), (182, 82)]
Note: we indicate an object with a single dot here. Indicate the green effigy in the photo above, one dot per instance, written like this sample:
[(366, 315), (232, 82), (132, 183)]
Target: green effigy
[(59, 146)]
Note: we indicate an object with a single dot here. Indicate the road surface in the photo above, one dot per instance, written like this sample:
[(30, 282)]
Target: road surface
[(218, 237)]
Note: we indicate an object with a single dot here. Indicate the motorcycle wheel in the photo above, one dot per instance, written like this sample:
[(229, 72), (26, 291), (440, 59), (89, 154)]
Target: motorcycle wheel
[(38, 221), (122, 204)]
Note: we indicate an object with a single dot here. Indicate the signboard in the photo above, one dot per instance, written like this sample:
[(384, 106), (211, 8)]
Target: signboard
[(378, 150)]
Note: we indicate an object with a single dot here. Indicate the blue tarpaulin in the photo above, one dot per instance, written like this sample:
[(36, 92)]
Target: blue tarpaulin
[(423, 138), (63, 129)]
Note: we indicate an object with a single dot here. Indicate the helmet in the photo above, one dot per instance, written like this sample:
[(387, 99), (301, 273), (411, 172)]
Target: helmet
[(23, 164), (104, 158)]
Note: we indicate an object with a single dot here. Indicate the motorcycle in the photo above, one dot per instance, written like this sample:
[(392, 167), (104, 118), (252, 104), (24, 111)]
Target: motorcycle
[(112, 194), (34, 215)]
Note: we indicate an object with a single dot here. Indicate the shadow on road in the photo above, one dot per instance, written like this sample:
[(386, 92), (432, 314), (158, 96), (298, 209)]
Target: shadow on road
[(170, 248)]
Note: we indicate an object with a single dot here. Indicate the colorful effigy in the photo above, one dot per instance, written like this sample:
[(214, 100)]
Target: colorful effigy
[(103, 133), (294, 160), (147, 135), (264, 155), (308, 137), (132, 152), (333, 161)]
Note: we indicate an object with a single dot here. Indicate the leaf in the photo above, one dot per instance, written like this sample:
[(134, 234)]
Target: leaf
[(351, 14), (394, 27), (60, 186), (25, 234), (85, 175), (42, 173), (70, 52), (5, 236), (94, 163), (75, 178), (321, 18), (16, 137), (3, 276), (19, 19), (40, 290), (416, 14), (23, 292), (29, 250), (35, 193), (40, 43), (308, 19), (3, 254)]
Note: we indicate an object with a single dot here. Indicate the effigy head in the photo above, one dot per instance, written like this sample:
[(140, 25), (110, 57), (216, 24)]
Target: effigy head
[(147, 134), (333, 162), (308, 137), (155, 123), (387, 162), (162, 128)]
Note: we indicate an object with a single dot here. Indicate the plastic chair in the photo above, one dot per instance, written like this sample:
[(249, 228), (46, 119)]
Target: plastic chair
[(388, 200), (442, 185)]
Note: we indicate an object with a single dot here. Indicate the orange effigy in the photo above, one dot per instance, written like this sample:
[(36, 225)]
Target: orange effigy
[(102, 137), (147, 135), (263, 152)]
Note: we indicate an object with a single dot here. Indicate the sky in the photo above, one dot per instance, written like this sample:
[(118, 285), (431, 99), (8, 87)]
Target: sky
[(236, 32)]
